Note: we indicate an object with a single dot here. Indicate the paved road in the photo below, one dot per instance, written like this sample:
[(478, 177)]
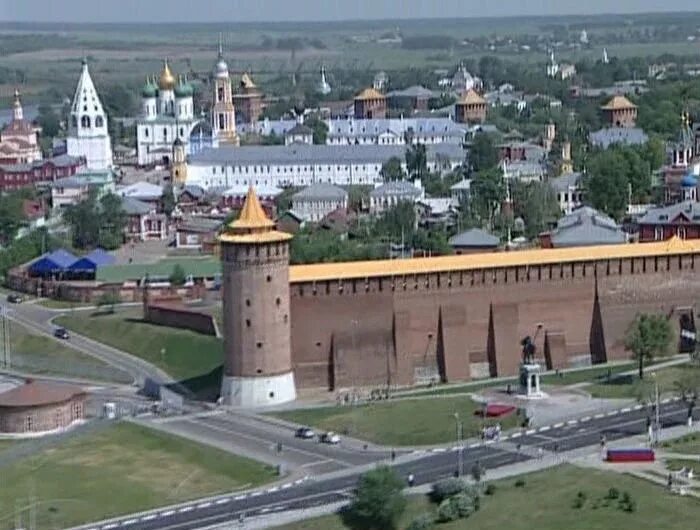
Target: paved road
[(38, 319), (437, 463)]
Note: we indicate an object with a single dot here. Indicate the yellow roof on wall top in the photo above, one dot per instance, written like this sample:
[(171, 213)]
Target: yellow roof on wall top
[(490, 260), (619, 103), (370, 93)]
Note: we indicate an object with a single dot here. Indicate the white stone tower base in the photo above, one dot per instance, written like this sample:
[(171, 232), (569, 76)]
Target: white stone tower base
[(251, 392)]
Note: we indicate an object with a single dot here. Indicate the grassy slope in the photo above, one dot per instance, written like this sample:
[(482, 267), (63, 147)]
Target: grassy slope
[(187, 354), (122, 469), (546, 501), (631, 387), (400, 422), (689, 444)]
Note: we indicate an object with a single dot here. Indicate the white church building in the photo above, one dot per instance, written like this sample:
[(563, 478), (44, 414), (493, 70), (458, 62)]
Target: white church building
[(87, 130)]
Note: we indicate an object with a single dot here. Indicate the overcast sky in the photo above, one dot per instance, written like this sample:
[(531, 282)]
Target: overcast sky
[(306, 10)]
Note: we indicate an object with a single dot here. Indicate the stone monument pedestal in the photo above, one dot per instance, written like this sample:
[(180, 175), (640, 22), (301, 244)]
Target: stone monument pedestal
[(530, 380)]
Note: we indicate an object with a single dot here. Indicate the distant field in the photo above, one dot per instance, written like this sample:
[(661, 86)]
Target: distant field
[(122, 469)]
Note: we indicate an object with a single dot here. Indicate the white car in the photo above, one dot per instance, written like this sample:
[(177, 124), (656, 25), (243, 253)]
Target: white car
[(330, 438)]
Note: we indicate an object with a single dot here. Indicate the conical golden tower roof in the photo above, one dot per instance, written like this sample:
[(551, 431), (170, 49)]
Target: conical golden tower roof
[(253, 225), (252, 214)]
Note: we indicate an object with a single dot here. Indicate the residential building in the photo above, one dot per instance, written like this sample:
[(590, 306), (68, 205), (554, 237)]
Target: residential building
[(18, 140), (144, 223), (471, 108), (315, 202), (521, 151), (71, 190), (88, 135), (167, 114), (604, 138), (474, 240), (460, 191), (370, 104), (248, 100), (302, 165), (569, 191), (431, 211), (190, 199), (234, 196), (197, 233), (584, 226), (386, 196), (620, 112), (527, 170), (681, 220), (151, 194), (38, 173)]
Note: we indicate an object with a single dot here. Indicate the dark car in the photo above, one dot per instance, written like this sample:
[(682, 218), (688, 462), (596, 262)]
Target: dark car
[(61, 333), (15, 298), (305, 432)]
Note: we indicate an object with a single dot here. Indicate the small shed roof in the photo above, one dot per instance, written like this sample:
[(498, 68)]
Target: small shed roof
[(475, 237)]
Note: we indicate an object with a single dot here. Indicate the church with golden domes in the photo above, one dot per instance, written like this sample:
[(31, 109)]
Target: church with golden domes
[(167, 115)]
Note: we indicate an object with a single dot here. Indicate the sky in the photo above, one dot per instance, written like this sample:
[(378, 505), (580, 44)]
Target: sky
[(311, 10)]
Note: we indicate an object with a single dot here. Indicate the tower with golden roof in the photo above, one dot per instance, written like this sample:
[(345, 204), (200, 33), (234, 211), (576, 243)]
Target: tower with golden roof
[(223, 112), (257, 338)]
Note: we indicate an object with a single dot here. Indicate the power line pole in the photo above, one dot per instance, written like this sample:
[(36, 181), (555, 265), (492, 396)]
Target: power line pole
[(6, 345)]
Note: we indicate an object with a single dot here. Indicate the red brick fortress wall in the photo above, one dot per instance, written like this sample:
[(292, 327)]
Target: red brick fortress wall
[(458, 325)]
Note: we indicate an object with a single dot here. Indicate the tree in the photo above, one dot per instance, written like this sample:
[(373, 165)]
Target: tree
[(11, 216), (483, 154), (177, 276), (48, 120), (97, 223), (392, 170), (536, 204), (648, 336), (417, 161), (113, 221), (108, 299), (320, 129), (486, 194), (379, 501), (168, 201), (606, 183)]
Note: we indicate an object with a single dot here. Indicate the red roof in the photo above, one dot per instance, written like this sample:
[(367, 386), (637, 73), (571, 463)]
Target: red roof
[(36, 393)]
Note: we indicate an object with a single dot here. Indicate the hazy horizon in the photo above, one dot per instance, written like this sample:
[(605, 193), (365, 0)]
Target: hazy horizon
[(173, 11)]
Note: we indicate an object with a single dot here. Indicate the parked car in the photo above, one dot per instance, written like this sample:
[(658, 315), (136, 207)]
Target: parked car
[(61, 333), (305, 433), (330, 438), (15, 298)]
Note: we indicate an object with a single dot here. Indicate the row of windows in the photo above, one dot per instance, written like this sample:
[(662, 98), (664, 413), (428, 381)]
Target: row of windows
[(285, 169), (165, 133), (85, 121)]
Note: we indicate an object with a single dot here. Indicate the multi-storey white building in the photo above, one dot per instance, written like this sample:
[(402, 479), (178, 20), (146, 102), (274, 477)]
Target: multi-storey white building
[(303, 165), (167, 113), (87, 128)]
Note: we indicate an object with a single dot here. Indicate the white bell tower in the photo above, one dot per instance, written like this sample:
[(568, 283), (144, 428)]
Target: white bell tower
[(87, 130)]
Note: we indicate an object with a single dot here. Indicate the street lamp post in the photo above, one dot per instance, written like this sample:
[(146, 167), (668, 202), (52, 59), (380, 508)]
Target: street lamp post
[(460, 445), (657, 415)]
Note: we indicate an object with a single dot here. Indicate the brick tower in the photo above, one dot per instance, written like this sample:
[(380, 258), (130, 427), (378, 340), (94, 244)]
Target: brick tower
[(257, 350)]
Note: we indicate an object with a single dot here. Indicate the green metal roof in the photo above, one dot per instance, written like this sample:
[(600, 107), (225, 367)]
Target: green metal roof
[(197, 267)]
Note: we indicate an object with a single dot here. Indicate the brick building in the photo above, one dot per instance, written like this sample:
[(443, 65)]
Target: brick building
[(39, 406), (620, 112), (471, 108), (680, 220), (447, 318), (39, 172), (370, 104)]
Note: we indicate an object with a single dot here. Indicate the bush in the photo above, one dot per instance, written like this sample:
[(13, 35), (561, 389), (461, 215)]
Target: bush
[(446, 488), (464, 504), (626, 503), (447, 511), (580, 500), (178, 276), (490, 489), (379, 500), (520, 483), (613, 493), (424, 521)]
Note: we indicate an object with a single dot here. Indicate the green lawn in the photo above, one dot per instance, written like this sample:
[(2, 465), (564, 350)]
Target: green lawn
[(632, 387), (121, 469), (546, 503), (181, 353), (40, 354), (676, 464), (688, 444), (6, 444), (400, 422)]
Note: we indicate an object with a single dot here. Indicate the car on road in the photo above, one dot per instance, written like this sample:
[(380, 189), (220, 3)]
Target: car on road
[(330, 438), (15, 298), (61, 333), (305, 432)]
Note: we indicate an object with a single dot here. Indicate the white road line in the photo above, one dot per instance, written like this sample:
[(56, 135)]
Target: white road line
[(223, 501), (185, 509), (272, 490), (545, 428), (168, 513), (516, 435), (439, 450), (239, 498), (561, 424), (285, 486), (148, 517), (667, 400), (531, 431), (299, 481), (638, 407), (203, 505), (109, 526), (572, 422), (598, 416), (626, 409), (256, 494), (265, 510), (613, 413), (472, 446), (128, 522), (585, 418)]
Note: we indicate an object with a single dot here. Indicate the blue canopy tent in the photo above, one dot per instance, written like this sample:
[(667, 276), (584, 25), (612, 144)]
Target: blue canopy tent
[(87, 265), (53, 263)]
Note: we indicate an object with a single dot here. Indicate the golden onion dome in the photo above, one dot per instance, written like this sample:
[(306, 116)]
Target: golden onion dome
[(167, 79)]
